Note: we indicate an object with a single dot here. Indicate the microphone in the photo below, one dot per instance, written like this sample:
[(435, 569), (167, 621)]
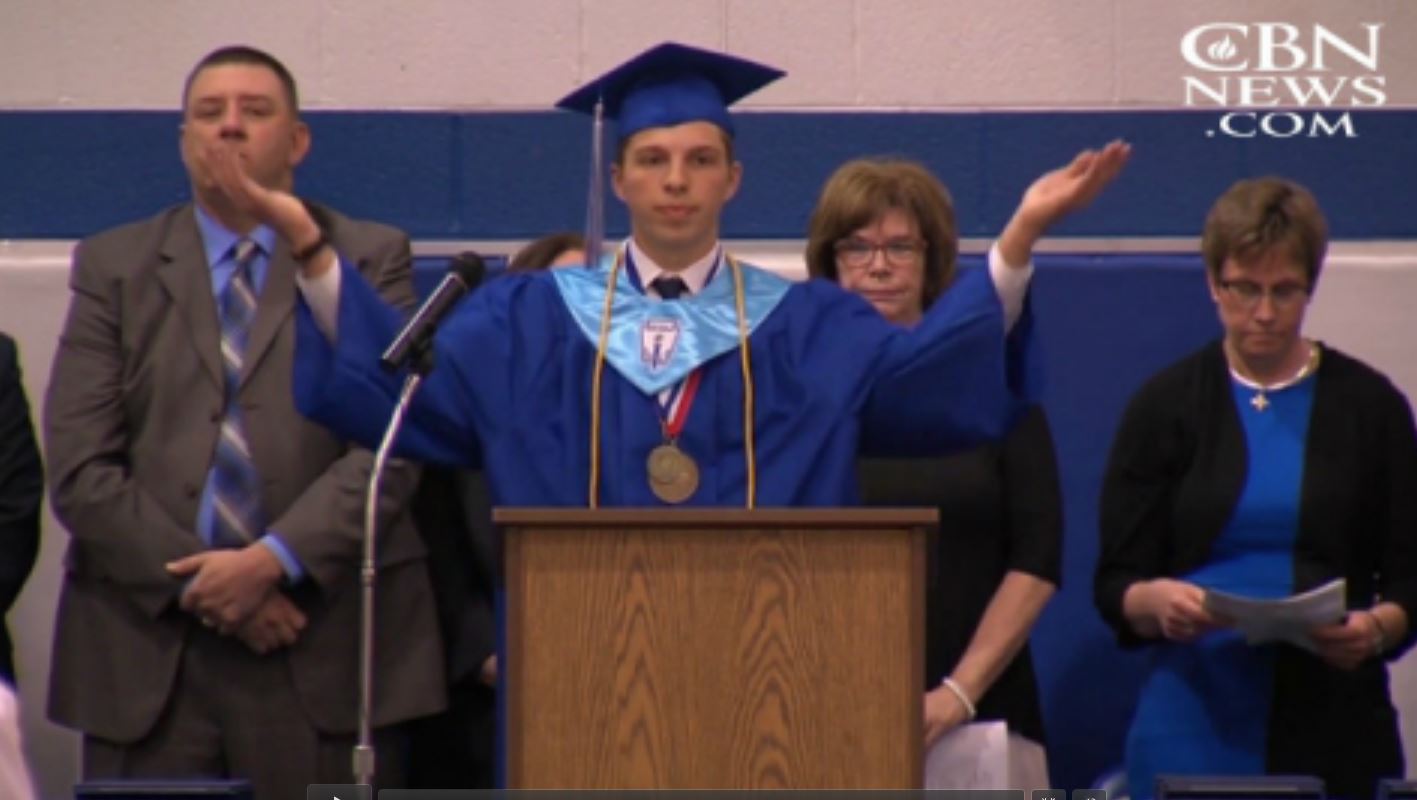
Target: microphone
[(465, 272)]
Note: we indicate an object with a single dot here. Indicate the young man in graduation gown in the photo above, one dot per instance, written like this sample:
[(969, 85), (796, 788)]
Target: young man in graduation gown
[(670, 372)]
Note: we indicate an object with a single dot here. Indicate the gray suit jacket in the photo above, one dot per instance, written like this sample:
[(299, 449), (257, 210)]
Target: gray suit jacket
[(132, 419)]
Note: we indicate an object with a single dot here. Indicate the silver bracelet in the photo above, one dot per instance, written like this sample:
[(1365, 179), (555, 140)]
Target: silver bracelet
[(953, 686)]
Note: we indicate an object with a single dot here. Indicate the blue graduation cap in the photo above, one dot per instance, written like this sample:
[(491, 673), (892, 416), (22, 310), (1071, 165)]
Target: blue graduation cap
[(669, 84)]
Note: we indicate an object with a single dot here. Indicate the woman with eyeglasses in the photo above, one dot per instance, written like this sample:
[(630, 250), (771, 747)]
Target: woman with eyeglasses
[(885, 229), (1265, 464)]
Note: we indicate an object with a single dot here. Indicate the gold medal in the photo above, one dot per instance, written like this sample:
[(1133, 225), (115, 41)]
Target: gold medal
[(673, 475)]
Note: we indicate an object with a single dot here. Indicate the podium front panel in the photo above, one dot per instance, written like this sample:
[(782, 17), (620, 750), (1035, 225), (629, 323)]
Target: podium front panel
[(744, 658)]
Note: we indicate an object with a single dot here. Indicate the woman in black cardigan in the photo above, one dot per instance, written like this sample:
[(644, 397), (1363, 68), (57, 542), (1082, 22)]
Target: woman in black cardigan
[(884, 228), (1264, 464)]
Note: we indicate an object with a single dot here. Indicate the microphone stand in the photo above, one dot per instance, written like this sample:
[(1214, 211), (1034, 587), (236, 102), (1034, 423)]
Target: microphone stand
[(420, 364)]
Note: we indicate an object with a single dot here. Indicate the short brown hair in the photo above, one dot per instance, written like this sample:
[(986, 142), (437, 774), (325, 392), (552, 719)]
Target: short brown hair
[(1258, 215), (860, 191), (242, 54)]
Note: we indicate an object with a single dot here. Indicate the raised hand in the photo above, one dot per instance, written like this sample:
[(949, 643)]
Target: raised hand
[(1066, 189), (1058, 193), (283, 211)]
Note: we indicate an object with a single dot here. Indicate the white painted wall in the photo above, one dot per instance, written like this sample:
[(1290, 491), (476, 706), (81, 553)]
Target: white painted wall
[(498, 54)]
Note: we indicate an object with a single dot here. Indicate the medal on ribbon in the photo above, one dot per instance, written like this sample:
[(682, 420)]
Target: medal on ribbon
[(673, 474)]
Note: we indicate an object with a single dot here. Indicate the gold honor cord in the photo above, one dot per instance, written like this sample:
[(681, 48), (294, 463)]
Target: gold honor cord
[(746, 361)]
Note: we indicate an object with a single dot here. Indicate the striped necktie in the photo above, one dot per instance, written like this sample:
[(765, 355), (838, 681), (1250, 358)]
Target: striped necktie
[(236, 518)]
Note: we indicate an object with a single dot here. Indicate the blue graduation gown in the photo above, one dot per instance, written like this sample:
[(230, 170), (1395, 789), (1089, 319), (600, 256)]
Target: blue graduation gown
[(512, 386)]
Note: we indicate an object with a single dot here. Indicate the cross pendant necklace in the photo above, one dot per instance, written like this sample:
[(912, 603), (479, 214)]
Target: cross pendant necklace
[(1260, 401)]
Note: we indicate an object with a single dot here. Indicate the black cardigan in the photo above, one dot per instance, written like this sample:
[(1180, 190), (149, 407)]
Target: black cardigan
[(21, 492), (1001, 509), (1174, 476)]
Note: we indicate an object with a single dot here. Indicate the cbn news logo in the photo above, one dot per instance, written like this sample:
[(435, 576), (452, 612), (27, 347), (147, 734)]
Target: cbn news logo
[(1307, 76)]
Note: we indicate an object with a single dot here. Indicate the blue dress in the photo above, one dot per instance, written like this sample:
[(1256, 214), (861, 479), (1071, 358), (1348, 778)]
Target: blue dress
[(1204, 707), (512, 391)]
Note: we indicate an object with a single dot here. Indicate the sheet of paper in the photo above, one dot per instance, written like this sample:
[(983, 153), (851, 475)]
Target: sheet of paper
[(972, 756), (1286, 619)]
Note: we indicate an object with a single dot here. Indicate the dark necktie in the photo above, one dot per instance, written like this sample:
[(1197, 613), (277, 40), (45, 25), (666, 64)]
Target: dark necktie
[(669, 287), (236, 486)]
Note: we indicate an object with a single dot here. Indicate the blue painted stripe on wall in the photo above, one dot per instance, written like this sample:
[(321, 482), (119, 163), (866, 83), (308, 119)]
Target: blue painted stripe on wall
[(445, 175)]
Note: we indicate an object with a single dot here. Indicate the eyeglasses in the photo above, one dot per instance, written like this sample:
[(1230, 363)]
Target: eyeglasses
[(858, 253), (1249, 293)]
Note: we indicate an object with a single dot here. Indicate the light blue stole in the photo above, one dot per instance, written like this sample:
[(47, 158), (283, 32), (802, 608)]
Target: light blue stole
[(656, 344)]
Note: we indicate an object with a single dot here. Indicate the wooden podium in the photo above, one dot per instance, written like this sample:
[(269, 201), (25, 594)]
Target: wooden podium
[(714, 648)]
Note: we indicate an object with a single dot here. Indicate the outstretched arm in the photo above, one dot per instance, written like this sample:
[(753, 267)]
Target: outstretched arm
[(337, 378), (1055, 195), (963, 374)]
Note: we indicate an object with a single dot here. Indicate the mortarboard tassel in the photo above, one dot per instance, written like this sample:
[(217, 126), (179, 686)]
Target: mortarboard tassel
[(595, 201)]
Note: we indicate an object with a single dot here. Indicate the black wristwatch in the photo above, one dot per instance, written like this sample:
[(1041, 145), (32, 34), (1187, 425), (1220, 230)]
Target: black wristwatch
[(322, 221), (304, 254)]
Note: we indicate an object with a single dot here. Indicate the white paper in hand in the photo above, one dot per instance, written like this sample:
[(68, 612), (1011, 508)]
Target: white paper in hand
[(1287, 619)]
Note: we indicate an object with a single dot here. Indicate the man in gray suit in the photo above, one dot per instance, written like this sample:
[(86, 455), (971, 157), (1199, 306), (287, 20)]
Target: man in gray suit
[(208, 620)]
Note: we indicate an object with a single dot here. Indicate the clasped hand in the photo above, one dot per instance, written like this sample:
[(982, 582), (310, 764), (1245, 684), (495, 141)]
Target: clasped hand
[(234, 592)]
